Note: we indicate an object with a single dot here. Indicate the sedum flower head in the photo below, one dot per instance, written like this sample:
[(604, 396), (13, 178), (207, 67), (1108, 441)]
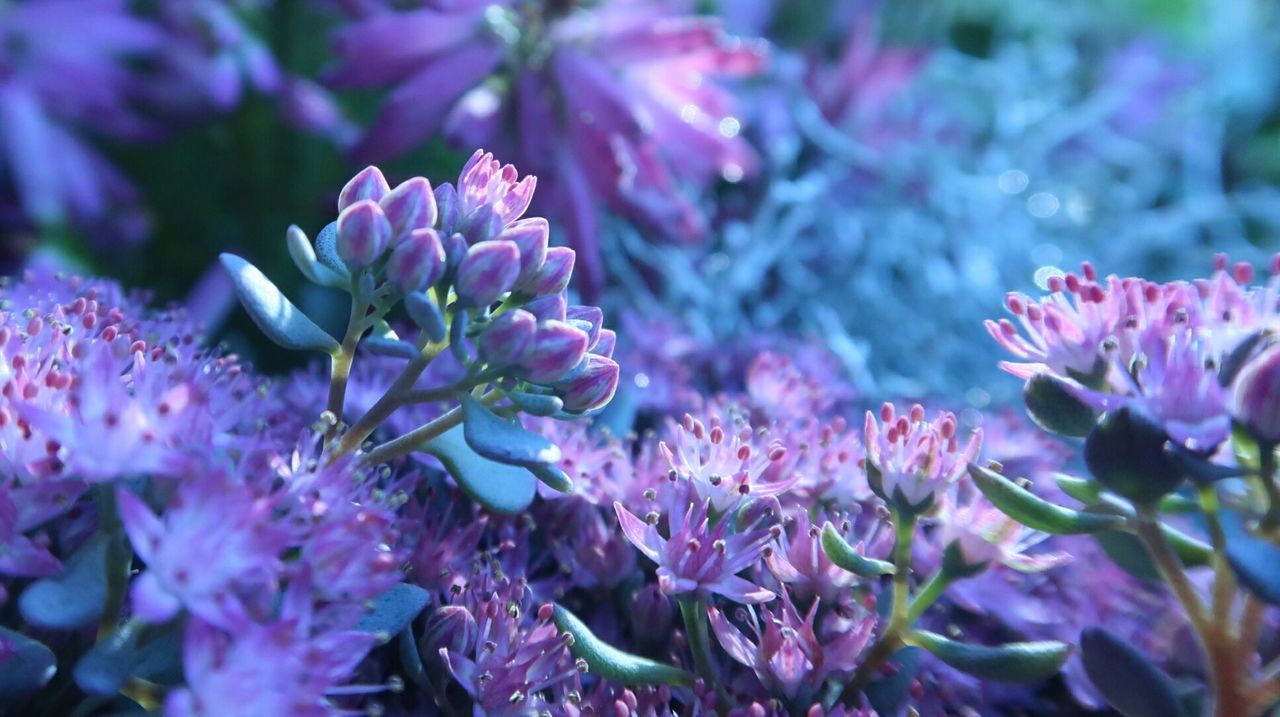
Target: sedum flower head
[(790, 652), (699, 555), (910, 461), (726, 467)]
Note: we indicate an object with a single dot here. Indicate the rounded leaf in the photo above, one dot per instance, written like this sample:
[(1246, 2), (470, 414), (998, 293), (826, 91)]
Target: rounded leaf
[(279, 319), (394, 610), (1055, 409), (499, 487), (27, 668), (74, 598), (504, 441), (1125, 678)]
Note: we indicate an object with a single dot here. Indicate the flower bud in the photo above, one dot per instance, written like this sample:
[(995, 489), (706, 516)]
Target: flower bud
[(368, 184), (592, 388), (451, 628), (555, 273), (410, 206), (591, 319), (548, 308), (447, 208), (455, 249), (483, 224), (531, 236), (508, 338), (363, 233), (487, 272), (652, 614), (417, 262), (1125, 452), (605, 344), (557, 349), (1255, 397)]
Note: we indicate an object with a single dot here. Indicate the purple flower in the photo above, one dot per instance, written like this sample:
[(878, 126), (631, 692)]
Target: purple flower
[(698, 556), (518, 655), (791, 654), (66, 70), (915, 460), (214, 548), (726, 467), (598, 110), (801, 563), (284, 667), (21, 556)]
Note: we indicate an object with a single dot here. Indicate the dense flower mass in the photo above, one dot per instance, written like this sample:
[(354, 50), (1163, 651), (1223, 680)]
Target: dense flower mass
[(611, 103), (587, 433)]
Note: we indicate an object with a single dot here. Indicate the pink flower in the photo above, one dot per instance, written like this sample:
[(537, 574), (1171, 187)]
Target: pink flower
[(698, 556), (911, 460)]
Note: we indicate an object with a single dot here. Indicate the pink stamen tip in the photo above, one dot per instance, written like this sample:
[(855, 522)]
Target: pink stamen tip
[(886, 412), (1073, 283), (1243, 272), (917, 413), (1089, 272), (1219, 262)]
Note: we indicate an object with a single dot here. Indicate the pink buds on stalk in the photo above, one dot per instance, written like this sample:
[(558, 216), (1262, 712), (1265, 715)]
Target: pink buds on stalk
[(1255, 397), (417, 262), (592, 388), (368, 184), (508, 339), (488, 271), (363, 233), (557, 350), (410, 206)]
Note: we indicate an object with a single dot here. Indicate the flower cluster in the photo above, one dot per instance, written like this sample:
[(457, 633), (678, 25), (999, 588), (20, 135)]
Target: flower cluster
[(613, 103)]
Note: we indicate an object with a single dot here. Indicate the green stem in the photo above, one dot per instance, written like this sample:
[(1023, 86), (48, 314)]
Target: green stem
[(1267, 474), (1224, 578), (927, 596), (1226, 674), (390, 400), (890, 641), (340, 364), (413, 440), (694, 613), (119, 561)]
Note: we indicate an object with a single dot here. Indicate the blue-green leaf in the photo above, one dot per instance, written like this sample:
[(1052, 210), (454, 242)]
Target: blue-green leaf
[(104, 669), (1085, 490), (844, 555), (279, 319), (499, 487), (613, 664), (74, 598), (30, 666), (304, 257), (553, 477), (1125, 678), (1036, 512), (1055, 409), (536, 404), (888, 693), (327, 252), (1012, 662), (394, 610), (1255, 561), (502, 440), (426, 314)]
